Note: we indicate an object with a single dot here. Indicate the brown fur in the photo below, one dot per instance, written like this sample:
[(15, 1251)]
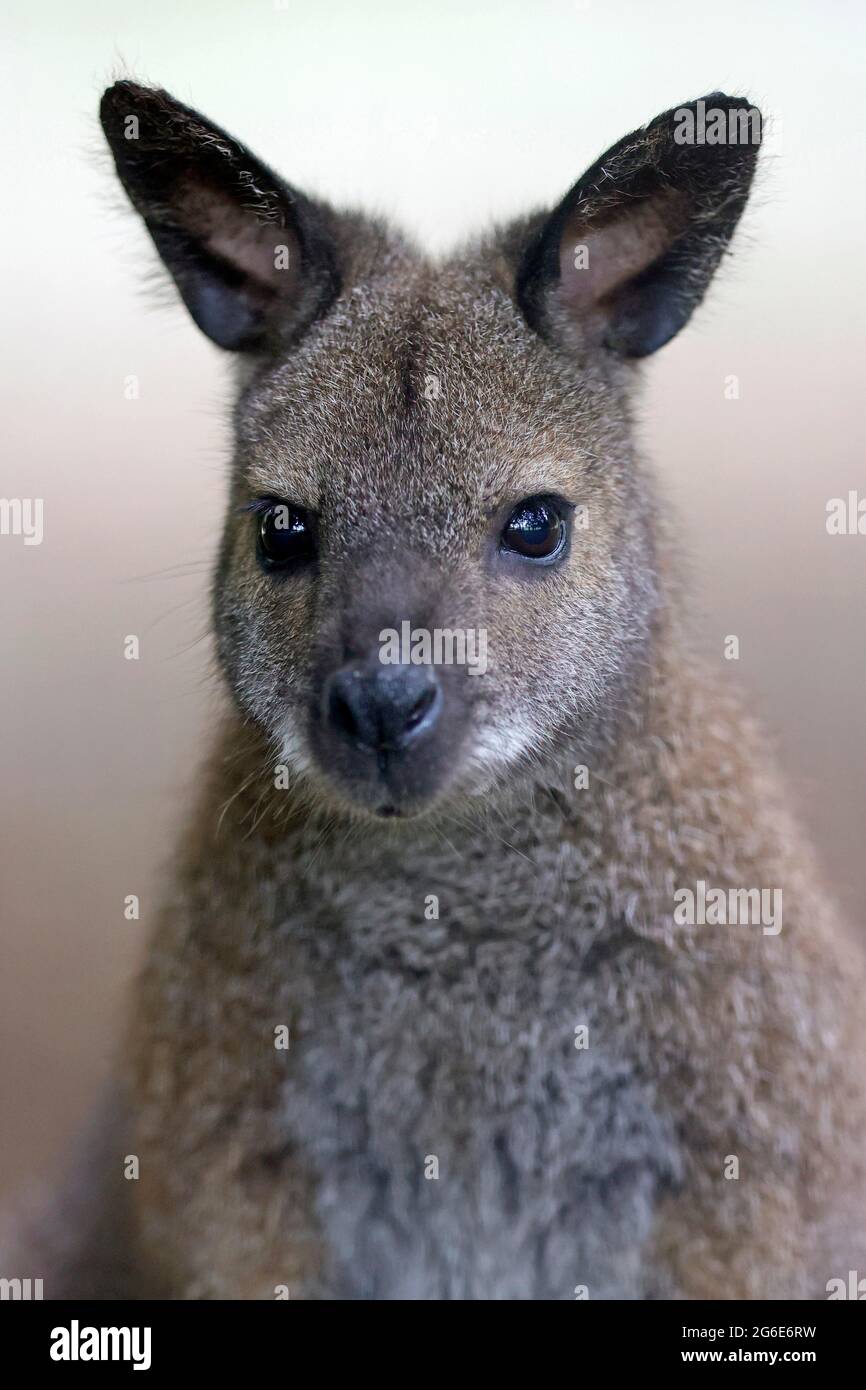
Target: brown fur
[(454, 1036)]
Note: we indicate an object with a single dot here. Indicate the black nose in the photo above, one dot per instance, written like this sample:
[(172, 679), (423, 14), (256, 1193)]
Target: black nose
[(381, 708)]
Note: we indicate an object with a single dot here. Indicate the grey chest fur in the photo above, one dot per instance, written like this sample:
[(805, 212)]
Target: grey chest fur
[(463, 1145)]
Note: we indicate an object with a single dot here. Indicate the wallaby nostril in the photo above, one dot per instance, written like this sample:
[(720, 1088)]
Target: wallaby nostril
[(413, 709), (381, 709), (341, 714), (420, 708)]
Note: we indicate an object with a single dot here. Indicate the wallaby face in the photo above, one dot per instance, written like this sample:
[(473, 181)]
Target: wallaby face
[(409, 1063), (445, 446)]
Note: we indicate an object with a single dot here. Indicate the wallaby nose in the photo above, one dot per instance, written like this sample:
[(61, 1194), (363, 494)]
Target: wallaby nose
[(382, 708)]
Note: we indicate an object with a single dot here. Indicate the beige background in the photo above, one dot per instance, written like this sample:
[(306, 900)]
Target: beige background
[(441, 114)]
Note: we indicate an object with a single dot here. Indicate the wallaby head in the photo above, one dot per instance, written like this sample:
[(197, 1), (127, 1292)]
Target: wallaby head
[(438, 555)]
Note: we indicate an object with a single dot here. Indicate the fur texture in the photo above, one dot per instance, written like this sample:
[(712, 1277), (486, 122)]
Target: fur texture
[(424, 1045)]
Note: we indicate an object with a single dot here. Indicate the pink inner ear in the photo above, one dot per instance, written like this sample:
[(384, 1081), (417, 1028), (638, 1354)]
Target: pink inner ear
[(594, 262), (264, 252)]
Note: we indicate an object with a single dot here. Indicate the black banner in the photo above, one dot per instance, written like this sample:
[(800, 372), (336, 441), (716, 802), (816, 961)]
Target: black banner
[(225, 1338)]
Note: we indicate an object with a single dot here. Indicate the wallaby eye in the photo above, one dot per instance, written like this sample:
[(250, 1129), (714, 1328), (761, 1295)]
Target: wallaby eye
[(286, 536), (536, 529)]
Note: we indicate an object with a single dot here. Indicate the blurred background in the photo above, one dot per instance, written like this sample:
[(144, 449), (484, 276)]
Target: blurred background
[(441, 115)]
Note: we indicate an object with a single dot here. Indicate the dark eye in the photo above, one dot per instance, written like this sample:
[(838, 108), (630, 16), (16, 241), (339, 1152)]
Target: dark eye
[(286, 536), (535, 529)]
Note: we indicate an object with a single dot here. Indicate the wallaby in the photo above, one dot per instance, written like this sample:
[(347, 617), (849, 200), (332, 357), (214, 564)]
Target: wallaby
[(467, 985)]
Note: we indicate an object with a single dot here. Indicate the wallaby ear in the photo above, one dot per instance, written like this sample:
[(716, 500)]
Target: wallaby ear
[(629, 252), (251, 257)]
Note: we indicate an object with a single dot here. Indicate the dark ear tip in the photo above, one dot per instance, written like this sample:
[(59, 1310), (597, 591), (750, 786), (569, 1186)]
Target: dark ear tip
[(729, 103), (713, 102), (119, 92), (126, 98), (721, 100)]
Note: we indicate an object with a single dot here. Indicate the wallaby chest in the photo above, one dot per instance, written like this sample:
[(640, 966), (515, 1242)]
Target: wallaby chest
[(475, 1118)]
